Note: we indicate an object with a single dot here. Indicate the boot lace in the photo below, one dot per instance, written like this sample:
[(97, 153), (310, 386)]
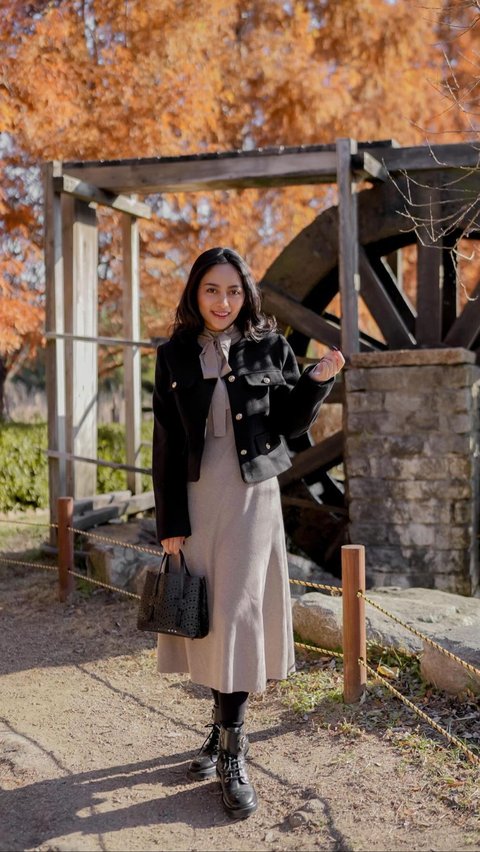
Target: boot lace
[(212, 741), (234, 768)]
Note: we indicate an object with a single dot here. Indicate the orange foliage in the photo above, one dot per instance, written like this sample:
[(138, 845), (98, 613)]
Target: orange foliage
[(84, 79)]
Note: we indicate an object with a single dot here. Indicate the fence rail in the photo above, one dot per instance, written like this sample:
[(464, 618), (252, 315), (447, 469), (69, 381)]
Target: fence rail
[(354, 654)]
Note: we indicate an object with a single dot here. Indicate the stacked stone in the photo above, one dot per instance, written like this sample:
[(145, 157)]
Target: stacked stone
[(412, 436)]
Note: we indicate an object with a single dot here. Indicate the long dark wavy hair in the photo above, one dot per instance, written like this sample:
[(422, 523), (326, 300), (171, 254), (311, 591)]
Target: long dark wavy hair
[(251, 321)]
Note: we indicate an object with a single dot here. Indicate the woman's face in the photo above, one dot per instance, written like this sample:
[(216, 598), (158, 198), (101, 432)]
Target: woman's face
[(220, 296)]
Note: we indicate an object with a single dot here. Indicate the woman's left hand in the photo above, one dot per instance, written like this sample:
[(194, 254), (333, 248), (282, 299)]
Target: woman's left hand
[(328, 366)]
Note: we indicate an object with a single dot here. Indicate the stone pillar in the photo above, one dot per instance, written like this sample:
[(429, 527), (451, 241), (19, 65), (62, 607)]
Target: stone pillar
[(412, 436)]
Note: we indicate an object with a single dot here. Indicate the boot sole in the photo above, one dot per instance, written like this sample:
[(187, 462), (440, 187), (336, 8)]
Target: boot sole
[(202, 775), (240, 813)]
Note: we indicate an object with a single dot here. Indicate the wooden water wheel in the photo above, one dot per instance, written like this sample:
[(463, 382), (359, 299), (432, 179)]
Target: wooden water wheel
[(301, 284), (298, 287)]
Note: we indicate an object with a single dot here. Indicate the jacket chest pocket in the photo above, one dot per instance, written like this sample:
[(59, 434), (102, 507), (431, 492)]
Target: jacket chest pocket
[(257, 387)]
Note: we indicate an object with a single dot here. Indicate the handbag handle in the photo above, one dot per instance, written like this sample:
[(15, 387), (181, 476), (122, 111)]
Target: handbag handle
[(164, 569)]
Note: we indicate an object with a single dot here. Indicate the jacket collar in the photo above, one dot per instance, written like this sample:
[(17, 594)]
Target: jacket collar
[(182, 355)]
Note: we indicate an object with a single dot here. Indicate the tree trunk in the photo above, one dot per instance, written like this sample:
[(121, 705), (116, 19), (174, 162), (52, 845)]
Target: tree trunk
[(3, 378)]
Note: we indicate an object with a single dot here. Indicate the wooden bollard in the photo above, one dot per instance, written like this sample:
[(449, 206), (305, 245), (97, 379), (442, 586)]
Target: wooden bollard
[(65, 547), (354, 630)]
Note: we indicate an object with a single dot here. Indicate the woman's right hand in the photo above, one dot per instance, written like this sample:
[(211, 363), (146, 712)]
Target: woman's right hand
[(172, 545)]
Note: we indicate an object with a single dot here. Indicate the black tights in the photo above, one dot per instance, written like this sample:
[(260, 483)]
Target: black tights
[(232, 707)]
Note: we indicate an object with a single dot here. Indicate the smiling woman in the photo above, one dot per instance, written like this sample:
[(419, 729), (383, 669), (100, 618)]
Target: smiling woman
[(220, 297), (227, 392)]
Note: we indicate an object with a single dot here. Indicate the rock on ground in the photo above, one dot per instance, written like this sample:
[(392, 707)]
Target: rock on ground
[(453, 621)]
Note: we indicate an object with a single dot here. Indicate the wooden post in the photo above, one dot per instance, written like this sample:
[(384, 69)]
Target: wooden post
[(55, 348), (354, 631), (348, 275), (65, 547), (451, 295), (132, 380), (80, 244), (428, 329)]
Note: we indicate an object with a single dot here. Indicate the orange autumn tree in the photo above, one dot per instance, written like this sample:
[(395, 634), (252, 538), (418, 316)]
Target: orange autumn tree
[(97, 80), (21, 277)]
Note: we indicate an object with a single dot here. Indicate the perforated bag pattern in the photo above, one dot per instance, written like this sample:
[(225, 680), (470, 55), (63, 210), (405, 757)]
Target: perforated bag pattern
[(174, 602)]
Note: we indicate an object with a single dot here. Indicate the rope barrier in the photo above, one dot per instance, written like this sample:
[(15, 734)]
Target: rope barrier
[(104, 585), (26, 523), (425, 638), (325, 651), (359, 594), (121, 591), (108, 540), (335, 589), (473, 758), (8, 561)]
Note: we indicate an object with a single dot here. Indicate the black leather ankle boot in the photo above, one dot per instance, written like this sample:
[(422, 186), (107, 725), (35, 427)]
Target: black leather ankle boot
[(203, 765), (238, 795)]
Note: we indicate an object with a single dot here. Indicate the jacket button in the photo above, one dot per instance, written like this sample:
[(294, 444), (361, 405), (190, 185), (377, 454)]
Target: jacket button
[(266, 380), (231, 378), (239, 417), (174, 384), (267, 446), (243, 452)]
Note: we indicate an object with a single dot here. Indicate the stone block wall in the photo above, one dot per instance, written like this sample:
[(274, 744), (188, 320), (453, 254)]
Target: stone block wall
[(412, 436)]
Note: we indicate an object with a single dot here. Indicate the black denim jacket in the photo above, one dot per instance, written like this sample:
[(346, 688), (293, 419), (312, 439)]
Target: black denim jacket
[(269, 401)]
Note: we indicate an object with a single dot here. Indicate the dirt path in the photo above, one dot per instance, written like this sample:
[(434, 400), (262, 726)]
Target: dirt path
[(94, 746)]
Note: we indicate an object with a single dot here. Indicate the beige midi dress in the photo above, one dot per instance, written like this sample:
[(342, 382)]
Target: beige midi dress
[(238, 544)]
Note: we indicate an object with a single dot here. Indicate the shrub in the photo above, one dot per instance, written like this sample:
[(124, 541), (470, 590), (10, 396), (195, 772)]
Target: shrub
[(24, 480), (24, 463), (111, 447)]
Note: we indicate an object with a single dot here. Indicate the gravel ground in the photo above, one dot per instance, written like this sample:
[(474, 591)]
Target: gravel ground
[(94, 746)]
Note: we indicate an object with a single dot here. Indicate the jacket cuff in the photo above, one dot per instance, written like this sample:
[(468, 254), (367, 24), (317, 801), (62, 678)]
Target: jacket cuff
[(326, 384)]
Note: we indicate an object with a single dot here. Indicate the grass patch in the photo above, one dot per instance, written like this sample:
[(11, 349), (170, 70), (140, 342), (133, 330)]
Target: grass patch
[(316, 691)]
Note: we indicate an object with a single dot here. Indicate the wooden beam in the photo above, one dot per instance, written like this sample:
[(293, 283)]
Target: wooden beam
[(365, 165), (81, 261), (194, 174), (97, 501), (55, 349), (296, 315), (393, 289), (99, 462), (466, 327), (451, 301), (393, 263), (132, 380), (104, 341), (92, 194), (132, 505), (322, 455), (348, 277), (291, 313), (281, 166), (428, 331), (430, 157), (303, 503), (381, 307)]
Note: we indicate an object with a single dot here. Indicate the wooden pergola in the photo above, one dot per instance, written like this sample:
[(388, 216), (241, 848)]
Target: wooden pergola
[(73, 191)]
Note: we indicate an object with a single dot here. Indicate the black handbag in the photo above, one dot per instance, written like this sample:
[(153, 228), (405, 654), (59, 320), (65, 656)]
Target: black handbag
[(174, 602)]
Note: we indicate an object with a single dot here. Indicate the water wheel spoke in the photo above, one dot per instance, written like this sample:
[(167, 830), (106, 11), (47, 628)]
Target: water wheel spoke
[(391, 286), (381, 307), (323, 455), (466, 327)]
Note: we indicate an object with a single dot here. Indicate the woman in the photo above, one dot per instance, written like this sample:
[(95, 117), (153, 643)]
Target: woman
[(227, 393)]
